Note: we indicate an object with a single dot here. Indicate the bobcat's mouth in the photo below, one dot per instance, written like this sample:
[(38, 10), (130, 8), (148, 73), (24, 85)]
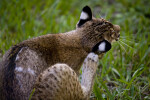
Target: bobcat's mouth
[(118, 36), (117, 39)]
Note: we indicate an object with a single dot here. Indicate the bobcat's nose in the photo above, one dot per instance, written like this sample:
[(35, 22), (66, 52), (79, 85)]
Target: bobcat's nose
[(117, 30)]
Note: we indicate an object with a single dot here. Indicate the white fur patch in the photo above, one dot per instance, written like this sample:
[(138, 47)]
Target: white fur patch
[(19, 69), (84, 15), (30, 71), (102, 47)]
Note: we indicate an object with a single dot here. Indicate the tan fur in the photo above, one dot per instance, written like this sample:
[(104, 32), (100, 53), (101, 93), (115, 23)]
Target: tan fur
[(39, 53), (60, 82)]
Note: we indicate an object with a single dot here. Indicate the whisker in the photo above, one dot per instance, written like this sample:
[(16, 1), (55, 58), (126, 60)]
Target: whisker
[(129, 41), (100, 16), (126, 38), (122, 47), (126, 44), (105, 15)]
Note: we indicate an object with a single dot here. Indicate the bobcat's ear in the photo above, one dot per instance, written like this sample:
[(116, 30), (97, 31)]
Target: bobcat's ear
[(102, 47), (85, 16)]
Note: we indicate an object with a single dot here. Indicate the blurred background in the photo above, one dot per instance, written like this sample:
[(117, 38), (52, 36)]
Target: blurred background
[(124, 72)]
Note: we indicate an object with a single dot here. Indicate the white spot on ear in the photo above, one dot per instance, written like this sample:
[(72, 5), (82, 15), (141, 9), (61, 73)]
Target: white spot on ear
[(84, 15), (30, 71), (19, 69), (102, 47)]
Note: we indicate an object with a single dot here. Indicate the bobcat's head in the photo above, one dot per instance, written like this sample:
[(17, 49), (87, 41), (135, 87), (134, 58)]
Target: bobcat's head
[(96, 31)]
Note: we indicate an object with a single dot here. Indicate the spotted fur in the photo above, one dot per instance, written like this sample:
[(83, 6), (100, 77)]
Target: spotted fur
[(60, 82)]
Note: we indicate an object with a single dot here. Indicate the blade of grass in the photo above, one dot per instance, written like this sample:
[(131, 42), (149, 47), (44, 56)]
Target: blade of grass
[(32, 94)]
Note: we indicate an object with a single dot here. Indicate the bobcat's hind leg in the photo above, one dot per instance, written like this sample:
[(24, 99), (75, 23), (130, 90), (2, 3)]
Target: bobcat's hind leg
[(58, 82)]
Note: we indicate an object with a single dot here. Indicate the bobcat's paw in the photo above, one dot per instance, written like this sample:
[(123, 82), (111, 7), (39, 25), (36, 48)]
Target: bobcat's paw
[(91, 60), (92, 56)]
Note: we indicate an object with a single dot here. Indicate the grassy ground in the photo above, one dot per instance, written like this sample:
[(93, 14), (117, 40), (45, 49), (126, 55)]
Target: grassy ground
[(124, 72)]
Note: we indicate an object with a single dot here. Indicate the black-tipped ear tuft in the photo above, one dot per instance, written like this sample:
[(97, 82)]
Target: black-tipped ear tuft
[(88, 11), (85, 16), (102, 47)]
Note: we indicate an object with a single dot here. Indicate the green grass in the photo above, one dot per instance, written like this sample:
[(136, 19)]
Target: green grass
[(124, 72)]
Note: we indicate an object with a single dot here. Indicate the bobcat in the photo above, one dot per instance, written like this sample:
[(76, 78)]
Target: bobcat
[(23, 63)]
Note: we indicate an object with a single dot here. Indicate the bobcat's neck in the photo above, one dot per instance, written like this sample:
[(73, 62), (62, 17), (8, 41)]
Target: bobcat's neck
[(70, 40), (70, 45)]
